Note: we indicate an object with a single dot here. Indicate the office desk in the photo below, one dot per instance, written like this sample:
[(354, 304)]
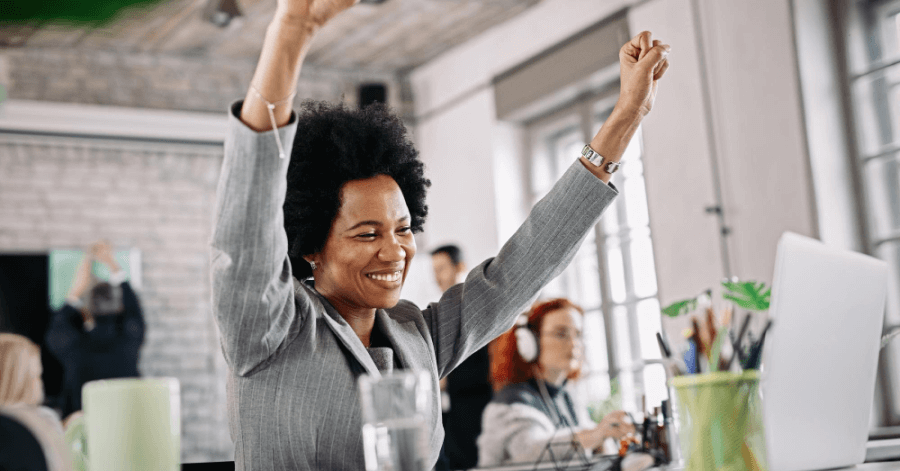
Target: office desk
[(884, 466), (229, 466)]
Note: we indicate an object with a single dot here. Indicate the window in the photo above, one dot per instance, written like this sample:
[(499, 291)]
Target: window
[(873, 74), (612, 276)]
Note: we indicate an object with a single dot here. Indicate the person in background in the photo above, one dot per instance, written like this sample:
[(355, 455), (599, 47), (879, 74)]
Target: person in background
[(31, 435), (96, 338), (467, 389), (531, 365)]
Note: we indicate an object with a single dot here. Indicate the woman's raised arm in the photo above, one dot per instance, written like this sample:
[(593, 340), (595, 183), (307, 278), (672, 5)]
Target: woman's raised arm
[(287, 41), (643, 61)]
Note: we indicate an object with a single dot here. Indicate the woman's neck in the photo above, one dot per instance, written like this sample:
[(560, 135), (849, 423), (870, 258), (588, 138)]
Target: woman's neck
[(362, 325), (552, 376), (361, 320)]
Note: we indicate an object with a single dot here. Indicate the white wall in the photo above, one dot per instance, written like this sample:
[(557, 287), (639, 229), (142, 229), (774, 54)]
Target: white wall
[(456, 147), (752, 126), (475, 200), (677, 160), (765, 168), (746, 51)]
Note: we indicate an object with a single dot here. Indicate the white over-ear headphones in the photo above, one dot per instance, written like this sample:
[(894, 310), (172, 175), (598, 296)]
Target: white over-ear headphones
[(526, 342)]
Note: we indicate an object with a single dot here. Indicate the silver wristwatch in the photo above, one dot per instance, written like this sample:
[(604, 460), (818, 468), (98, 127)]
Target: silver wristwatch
[(597, 159)]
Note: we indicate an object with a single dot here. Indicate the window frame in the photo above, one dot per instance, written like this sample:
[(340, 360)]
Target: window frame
[(857, 24), (582, 116)]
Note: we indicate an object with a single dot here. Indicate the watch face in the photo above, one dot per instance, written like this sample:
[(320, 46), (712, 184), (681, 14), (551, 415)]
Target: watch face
[(592, 156)]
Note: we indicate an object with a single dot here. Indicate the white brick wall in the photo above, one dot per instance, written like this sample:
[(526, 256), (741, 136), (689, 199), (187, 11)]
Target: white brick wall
[(67, 192), (166, 82)]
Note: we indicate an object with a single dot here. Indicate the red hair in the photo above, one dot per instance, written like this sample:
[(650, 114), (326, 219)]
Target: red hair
[(507, 366)]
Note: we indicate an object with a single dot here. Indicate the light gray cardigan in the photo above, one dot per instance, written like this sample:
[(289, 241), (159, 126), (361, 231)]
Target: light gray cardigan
[(292, 394)]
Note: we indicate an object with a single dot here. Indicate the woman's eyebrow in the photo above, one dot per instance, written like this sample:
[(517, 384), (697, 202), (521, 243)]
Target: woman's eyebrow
[(375, 223), (365, 223)]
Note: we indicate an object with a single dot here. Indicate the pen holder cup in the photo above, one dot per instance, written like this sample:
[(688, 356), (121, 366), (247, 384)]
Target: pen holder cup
[(719, 420)]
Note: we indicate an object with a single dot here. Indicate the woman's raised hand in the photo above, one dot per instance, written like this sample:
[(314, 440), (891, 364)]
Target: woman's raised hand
[(643, 62), (317, 12)]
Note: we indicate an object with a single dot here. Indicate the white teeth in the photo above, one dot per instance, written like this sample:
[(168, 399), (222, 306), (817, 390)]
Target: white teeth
[(392, 277)]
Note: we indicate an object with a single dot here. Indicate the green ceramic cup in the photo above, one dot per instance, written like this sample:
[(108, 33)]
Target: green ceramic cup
[(719, 417), (128, 424)]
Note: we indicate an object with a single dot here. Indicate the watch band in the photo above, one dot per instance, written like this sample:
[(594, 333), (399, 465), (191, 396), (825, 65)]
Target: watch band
[(593, 157)]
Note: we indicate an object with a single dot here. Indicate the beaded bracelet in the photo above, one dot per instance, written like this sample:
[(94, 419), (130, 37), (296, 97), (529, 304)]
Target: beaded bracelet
[(270, 107)]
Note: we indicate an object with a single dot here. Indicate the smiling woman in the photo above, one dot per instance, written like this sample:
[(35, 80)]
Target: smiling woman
[(309, 254)]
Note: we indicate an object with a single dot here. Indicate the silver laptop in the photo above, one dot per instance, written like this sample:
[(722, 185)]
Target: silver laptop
[(820, 357)]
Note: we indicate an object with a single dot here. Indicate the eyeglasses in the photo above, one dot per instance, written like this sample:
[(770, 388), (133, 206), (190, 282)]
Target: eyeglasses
[(568, 335)]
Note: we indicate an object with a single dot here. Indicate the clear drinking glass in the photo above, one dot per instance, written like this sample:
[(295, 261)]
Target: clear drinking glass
[(394, 408)]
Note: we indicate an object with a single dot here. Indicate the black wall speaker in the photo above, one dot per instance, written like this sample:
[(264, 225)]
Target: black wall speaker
[(372, 93)]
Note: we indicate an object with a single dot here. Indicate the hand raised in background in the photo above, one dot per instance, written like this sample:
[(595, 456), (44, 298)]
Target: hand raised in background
[(103, 253), (84, 279), (101, 250)]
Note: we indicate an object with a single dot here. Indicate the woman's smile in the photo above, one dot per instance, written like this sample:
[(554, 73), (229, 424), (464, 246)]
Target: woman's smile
[(390, 278)]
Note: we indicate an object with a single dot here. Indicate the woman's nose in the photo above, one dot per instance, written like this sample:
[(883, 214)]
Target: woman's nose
[(577, 345), (392, 251)]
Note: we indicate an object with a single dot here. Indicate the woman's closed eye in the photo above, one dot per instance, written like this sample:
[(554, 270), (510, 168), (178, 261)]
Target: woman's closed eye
[(372, 234)]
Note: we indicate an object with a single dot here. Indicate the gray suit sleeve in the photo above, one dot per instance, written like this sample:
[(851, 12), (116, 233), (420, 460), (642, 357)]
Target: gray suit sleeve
[(252, 287), (471, 314)]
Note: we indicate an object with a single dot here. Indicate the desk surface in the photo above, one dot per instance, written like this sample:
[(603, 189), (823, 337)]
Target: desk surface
[(877, 466), (229, 466)]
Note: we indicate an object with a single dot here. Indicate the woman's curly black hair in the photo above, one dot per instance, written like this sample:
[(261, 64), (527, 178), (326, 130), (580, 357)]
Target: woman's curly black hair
[(335, 144)]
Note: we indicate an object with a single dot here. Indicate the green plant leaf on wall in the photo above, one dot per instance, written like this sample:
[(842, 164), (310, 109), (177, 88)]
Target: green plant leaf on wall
[(680, 307), (748, 294)]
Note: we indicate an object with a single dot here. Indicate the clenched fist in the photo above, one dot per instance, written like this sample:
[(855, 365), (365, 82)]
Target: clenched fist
[(643, 62)]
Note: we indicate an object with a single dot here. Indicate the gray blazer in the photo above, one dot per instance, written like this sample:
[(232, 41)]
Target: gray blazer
[(292, 392)]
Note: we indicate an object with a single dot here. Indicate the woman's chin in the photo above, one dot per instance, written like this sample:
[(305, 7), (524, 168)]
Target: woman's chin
[(385, 302)]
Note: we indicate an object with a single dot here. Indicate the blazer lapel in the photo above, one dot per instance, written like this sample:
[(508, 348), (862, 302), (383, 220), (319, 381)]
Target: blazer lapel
[(347, 336), (407, 343)]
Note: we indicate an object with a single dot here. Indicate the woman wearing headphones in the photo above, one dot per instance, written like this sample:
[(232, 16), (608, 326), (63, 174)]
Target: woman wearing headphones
[(531, 409)]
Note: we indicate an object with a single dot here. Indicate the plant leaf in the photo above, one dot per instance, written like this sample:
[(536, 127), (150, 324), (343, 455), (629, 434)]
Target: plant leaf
[(680, 307), (748, 294)]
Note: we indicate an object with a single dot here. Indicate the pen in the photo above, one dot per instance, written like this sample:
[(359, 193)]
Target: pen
[(755, 356), (690, 358), (696, 337), (736, 343), (663, 346), (710, 326)]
